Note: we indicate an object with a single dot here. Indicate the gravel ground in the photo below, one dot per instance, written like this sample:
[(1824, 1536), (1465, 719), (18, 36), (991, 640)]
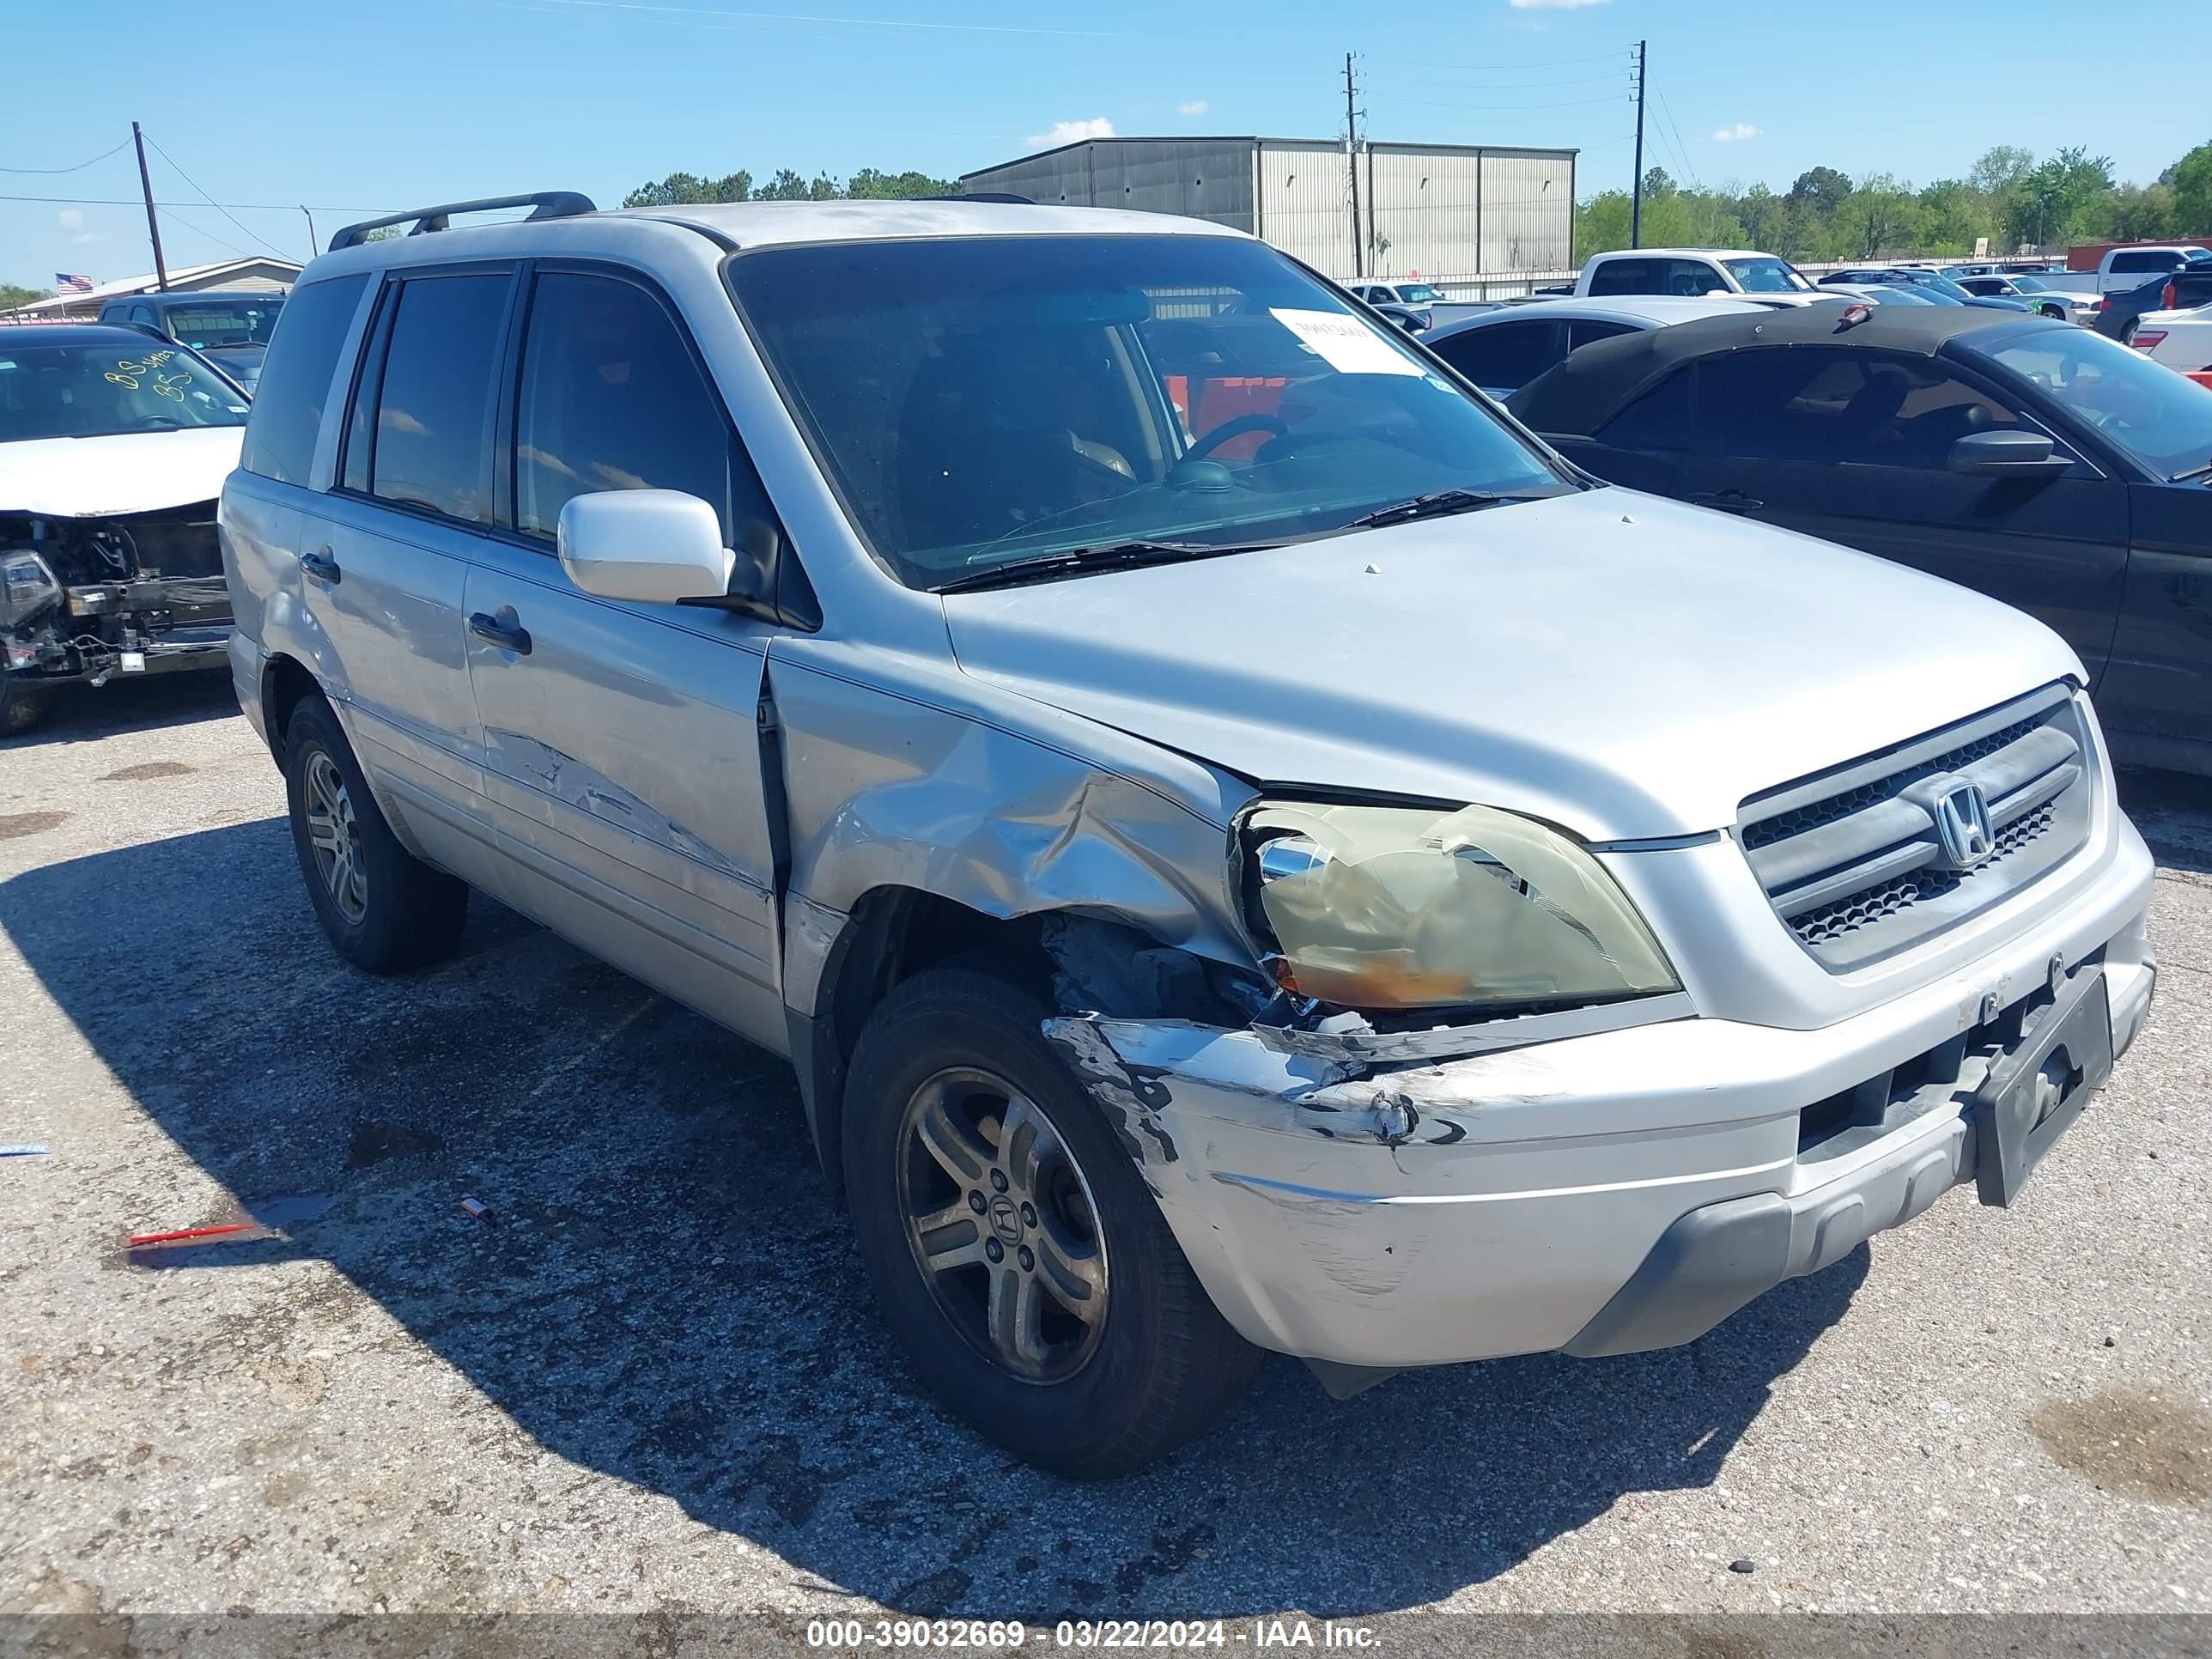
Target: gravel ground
[(651, 1383)]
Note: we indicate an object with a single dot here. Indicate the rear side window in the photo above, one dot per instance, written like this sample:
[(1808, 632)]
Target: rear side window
[(1580, 334), (2156, 260), (1626, 276), (1688, 279), (612, 399), (1505, 356), (434, 406), (1832, 406), (287, 407), (1660, 419)]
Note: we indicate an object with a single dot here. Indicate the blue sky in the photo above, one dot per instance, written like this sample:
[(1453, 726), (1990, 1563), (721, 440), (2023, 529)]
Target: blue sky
[(401, 102)]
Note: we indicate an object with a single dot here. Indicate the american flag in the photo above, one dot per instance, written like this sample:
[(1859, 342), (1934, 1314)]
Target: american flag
[(70, 284)]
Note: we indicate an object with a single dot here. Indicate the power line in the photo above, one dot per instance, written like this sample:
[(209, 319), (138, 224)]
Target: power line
[(1542, 62), (1575, 103), (79, 168), (242, 252), (216, 205), (1503, 85), (243, 207)]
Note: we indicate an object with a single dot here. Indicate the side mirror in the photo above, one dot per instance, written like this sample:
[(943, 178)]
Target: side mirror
[(2007, 455), (661, 546)]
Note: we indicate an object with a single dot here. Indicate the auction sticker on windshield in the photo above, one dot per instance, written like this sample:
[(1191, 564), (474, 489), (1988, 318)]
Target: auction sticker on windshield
[(1345, 344)]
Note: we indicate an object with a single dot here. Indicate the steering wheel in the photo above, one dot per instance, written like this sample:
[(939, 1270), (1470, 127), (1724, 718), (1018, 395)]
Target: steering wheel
[(1235, 429)]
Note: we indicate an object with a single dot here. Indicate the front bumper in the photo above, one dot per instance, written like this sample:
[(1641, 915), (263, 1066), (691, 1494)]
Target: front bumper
[(1600, 1193)]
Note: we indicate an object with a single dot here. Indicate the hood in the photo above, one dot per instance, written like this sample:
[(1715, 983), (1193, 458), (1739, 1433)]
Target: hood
[(1619, 664), (126, 472)]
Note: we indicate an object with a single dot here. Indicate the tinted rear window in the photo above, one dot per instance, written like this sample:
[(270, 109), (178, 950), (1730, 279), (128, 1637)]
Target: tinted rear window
[(1505, 356), (288, 406), (436, 399)]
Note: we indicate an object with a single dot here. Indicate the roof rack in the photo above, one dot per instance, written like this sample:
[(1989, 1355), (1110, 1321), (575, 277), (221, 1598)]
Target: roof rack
[(546, 203)]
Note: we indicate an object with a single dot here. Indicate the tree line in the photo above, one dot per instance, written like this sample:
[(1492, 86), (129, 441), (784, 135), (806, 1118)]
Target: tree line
[(2007, 195), (679, 189)]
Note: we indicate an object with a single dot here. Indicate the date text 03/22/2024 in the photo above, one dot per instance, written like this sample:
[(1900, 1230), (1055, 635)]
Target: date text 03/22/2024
[(956, 1633)]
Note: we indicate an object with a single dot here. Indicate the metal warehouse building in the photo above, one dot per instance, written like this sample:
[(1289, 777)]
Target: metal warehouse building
[(1437, 211)]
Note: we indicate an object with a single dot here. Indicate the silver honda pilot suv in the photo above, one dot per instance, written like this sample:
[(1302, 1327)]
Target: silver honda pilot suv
[(1245, 848)]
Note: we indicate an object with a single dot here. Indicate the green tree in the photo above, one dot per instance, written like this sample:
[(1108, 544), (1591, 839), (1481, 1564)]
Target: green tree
[(1954, 215), (1880, 216), (683, 189), (1821, 190), (2045, 206), (12, 295), (869, 185), (2000, 169), (2191, 180)]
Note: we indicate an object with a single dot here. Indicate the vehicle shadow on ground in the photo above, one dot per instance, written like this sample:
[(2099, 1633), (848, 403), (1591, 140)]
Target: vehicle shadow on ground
[(2174, 813), (81, 713), (666, 1293)]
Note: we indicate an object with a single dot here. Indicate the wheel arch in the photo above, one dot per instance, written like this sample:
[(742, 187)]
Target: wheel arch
[(286, 683)]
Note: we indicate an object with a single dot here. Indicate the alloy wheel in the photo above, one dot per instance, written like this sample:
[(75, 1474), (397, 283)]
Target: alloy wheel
[(335, 836), (1002, 1223)]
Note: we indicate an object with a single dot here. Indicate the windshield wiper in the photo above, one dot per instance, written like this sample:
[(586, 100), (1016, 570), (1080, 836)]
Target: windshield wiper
[(1436, 504), (2192, 474), (1106, 557)]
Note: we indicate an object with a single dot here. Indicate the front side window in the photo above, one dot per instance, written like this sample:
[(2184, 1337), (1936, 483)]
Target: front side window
[(132, 384), (226, 323), (2161, 418), (436, 395), (1767, 276), (611, 399), (303, 356), (1835, 406), (982, 400)]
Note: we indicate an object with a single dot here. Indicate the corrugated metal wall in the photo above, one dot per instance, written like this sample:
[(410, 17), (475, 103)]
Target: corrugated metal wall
[(1439, 213), (1527, 210), (1305, 203), (1203, 177)]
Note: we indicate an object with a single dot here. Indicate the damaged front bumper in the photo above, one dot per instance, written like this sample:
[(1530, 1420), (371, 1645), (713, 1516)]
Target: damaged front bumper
[(1370, 1216)]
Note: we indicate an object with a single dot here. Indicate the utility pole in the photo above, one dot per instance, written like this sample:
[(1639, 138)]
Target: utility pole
[(311, 231), (1635, 201), (153, 227), (1352, 163)]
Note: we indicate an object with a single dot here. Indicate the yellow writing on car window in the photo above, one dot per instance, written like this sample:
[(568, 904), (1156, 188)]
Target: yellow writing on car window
[(128, 374)]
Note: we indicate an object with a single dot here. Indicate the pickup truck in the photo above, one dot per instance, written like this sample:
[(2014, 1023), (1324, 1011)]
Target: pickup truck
[(1689, 273)]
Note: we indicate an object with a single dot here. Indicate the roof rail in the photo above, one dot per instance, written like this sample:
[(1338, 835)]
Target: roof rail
[(985, 195), (547, 204)]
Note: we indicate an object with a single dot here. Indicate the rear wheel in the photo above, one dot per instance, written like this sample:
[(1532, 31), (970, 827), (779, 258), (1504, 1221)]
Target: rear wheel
[(383, 909), (1015, 1254)]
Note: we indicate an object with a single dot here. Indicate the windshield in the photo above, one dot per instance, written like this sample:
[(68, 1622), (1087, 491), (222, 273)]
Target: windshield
[(1418, 294), (1766, 275), (2027, 285), (985, 399), (2161, 418), (224, 323), (1942, 285), (97, 391)]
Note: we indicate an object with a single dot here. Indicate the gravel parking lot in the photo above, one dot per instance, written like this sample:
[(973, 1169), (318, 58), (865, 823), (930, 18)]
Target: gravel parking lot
[(652, 1380)]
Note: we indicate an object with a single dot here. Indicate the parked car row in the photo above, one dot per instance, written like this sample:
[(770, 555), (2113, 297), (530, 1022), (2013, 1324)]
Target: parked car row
[(1245, 847)]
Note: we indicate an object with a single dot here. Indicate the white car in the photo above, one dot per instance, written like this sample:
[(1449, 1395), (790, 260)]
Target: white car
[(1687, 273), (113, 446), (1501, 351), (1419, 295), (2179, 339), (2067, 305)]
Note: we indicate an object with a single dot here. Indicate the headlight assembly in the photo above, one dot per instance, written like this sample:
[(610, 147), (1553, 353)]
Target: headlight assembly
[(26, 587), (1387, 907)]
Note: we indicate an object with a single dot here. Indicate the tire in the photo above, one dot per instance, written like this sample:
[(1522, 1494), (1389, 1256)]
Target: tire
[(2056, 313), (21, 706), (383, 909), (1156, 1367)]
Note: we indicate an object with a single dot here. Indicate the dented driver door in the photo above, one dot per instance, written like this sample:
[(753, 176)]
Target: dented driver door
[(622, 739)]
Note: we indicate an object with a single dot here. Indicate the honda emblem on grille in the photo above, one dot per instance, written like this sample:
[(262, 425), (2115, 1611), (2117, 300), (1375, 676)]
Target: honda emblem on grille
[(1962, 825)]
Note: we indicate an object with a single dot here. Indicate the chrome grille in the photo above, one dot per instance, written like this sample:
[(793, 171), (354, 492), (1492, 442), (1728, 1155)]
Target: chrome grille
[(1855, 864)]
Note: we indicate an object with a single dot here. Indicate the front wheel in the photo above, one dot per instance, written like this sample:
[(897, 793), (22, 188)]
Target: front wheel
[(22, 705), (1015, 1254), (383, 909)]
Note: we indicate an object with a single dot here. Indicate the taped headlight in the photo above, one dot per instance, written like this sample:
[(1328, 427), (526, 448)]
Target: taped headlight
[(26, 587), (1405, 908)]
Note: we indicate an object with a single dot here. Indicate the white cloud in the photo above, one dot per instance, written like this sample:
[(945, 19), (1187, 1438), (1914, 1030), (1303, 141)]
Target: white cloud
[(1736, 134), (1069, 132), (1196, 107), (1551, 5), (71, 222)]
